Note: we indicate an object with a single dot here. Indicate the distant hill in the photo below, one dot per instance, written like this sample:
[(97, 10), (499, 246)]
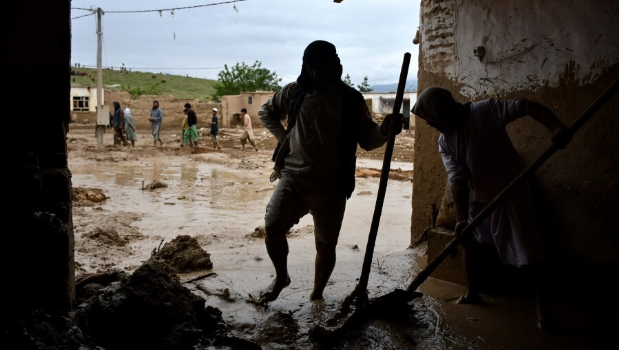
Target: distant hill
[(411, 86), (179, 86), (146, 83)]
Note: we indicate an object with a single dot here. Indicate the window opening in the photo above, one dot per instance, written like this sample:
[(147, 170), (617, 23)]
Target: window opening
[(80, 104)]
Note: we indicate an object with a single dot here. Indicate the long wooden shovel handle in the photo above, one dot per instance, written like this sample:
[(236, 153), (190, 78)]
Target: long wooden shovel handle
[(384, 176), (468, 230)]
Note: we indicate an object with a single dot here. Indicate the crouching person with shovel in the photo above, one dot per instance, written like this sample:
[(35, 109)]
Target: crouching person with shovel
[(480, 161), (314, 161)]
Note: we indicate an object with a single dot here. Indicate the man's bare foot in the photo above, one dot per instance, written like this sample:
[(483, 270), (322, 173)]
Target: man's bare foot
[(474, 299), (270, 293)]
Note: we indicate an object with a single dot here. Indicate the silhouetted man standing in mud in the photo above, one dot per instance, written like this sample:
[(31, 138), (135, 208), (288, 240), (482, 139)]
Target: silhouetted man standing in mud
[(481, 161), (316, 160)]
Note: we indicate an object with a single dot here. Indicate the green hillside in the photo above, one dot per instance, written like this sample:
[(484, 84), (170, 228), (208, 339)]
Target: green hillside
[(182, 87)]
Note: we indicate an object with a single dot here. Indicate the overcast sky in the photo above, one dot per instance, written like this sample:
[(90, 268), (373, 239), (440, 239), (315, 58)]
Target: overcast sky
[(371, 36)]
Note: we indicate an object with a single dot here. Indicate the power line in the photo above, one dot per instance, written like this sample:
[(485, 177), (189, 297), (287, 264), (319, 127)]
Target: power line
[(86, 15), (94, 11), (178, 8), (160, 10)]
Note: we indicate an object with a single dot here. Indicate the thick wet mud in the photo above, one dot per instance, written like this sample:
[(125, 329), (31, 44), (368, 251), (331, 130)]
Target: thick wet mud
[(219, 198)]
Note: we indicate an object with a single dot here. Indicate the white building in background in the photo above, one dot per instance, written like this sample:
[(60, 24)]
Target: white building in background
[(83, 99), (382, 103)]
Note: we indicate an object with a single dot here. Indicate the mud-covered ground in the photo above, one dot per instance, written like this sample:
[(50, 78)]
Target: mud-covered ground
[(132, 203)]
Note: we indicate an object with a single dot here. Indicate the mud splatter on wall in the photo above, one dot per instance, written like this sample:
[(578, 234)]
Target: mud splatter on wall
[(525, 44), (438, 44)]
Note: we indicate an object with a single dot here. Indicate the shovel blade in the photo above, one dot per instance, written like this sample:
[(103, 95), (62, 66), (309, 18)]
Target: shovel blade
[(395, 299)]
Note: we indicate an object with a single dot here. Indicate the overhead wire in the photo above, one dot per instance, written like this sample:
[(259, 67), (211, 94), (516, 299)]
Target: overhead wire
[(177, 8), (86, 15), (171, 10)]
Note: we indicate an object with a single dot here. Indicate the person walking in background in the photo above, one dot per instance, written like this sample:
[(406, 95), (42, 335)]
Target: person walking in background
[(215, 129), (248, 133), (156, 118), (327, 120), (184, 127), (190, 134), (481, 161), (119, 125), (130, 127)]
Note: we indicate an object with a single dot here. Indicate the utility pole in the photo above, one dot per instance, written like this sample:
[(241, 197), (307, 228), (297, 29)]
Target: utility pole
[(99, 71), (102, 110)]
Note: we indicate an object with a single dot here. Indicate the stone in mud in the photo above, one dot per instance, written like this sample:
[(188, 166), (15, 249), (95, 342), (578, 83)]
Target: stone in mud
[(92, 194), (155, 185)]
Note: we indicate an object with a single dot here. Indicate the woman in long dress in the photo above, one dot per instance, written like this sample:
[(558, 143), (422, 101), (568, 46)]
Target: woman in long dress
[(130, 127)]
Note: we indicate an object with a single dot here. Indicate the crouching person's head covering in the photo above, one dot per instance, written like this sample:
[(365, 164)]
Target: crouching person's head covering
[(439, 109)]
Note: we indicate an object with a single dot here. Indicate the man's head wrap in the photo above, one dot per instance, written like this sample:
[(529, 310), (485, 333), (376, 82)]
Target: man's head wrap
[(437, 106), (127, 111), (319, 54)]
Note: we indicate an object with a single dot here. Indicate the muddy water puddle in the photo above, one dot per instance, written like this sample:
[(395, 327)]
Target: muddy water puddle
[(221, 202), (211, 197)]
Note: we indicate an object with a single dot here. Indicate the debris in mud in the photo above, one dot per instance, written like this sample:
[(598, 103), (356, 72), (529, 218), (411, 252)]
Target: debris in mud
[(154, 185), (246, 164), (365, 172), (88, 285), (223, 293), (108, 237), (91, 194), (200, 277), (149, 310), (115, 156), (394, 174), (182, 254), (259, 232), (77, 139)]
